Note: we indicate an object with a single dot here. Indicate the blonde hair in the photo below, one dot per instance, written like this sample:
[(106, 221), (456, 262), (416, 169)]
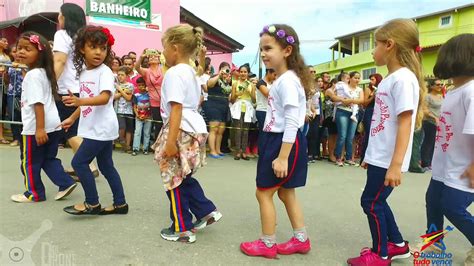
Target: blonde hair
[(405, 35), (189, 38)]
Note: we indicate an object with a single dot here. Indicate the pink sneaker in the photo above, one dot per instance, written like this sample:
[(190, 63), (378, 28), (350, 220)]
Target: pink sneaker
[(368, 258), (294, 246), (396, 252), (258, 248)]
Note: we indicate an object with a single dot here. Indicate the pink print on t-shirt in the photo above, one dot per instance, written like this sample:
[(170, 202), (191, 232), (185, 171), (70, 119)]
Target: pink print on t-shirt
[(268, 127), (85, 91), (444, 139), (384, 115)]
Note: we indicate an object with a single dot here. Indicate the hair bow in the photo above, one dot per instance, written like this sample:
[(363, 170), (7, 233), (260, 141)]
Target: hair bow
[(110, 37), (35, 39)]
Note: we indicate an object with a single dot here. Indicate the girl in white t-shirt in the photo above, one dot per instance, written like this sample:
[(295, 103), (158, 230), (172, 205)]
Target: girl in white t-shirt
[(41, 134), (396, 114), (98, 125), (282, 163), (180, 148), (451, 189)]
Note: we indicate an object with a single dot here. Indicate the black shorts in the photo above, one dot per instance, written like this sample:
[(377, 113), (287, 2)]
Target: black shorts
[(127, 122), (269, 146), (330, 125), (64, 113)]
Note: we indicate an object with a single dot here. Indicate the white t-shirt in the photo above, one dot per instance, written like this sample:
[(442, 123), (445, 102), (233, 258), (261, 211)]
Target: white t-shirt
[(262, 101), (98, 122), (36, 88), (67, 80), (397, 93), (203, 81), (286, 106), (454, 148), (180, 85)]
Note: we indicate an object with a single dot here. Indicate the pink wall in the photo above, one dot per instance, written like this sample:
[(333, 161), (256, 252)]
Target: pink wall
[(128, 39), (217, 59)]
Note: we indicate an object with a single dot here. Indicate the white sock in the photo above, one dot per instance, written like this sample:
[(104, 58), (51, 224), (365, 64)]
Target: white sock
[(400, 245), (386, 257), (268, 240), (300, 234)]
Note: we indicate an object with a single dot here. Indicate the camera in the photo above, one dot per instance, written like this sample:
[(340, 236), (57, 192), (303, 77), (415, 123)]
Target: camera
[(227, 71)]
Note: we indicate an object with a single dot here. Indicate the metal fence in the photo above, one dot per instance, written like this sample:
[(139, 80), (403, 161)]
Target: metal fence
[(10, 86)]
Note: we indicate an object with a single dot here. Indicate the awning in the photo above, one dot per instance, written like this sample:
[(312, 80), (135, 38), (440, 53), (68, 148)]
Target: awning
[(36, 18)]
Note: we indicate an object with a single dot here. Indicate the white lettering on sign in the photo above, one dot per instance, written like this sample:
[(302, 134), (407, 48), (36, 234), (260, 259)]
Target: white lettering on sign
[(118, 9)]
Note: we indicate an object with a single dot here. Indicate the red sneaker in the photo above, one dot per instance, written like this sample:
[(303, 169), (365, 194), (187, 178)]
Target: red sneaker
[(396, 252), (368, 258), (258, 248), (294, 246)]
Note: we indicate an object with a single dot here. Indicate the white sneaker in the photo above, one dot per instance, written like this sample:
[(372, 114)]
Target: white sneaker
[(20, 198), (470, 258), (66, 192), (208, 220)]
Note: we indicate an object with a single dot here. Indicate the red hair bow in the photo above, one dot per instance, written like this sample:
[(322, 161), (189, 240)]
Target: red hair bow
[(418, 49), (110, 38)]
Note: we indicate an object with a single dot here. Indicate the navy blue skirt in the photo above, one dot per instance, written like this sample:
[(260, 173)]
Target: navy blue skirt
[(269, 145)]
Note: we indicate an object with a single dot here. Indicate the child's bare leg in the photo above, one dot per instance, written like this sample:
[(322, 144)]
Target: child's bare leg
[(267, 210), (293, 207)]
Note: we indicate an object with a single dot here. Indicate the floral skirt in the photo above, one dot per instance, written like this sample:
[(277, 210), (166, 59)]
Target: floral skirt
[(191, 156)]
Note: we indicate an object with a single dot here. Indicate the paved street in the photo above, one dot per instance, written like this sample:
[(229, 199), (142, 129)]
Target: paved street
[(336, 224)]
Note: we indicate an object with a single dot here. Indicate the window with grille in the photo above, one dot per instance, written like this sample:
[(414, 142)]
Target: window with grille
[(367, 72), (445, 21)]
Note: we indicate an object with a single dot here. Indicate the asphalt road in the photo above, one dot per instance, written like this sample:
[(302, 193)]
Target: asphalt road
[(41, 233)]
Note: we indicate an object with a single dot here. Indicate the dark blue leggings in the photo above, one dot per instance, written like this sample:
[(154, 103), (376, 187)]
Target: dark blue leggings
[(452, 203), (102, 150)]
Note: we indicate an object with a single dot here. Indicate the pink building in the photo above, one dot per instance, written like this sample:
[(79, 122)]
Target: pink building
[(17, 16)]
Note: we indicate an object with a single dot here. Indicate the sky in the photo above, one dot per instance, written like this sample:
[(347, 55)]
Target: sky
[(316, 22)]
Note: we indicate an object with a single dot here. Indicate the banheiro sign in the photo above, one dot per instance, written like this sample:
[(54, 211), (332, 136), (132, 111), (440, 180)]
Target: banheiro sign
[(136, 10)]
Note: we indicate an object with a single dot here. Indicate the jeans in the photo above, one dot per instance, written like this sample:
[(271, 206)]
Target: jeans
[(313, 137), (137, 137), (346, 128)]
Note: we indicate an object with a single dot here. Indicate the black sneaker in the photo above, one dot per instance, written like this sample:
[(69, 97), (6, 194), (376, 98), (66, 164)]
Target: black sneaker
[(186, 236)]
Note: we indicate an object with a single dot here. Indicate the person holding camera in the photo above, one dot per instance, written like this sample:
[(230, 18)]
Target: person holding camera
[(218, 88), (153, 76)]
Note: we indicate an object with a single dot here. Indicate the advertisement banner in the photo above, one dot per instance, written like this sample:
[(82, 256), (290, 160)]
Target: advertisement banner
[(127, 10)]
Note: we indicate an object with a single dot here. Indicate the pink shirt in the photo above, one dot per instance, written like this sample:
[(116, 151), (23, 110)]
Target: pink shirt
[(153, 82)]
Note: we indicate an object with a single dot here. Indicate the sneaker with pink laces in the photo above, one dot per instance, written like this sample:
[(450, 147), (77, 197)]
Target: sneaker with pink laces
[(396, 252), (258, 248), (368, 258), (294, 246)]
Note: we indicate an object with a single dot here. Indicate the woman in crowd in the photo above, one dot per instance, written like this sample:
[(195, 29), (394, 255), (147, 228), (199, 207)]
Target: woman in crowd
[(369, 102), (116, 64), (242, 111), (4, 59), (218, 89), (433, 101)]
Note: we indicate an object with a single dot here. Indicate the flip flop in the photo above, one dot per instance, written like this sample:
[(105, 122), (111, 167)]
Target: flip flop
[(4, 141)]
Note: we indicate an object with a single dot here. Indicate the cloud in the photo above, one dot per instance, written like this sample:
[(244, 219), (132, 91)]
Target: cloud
[(317, 22)]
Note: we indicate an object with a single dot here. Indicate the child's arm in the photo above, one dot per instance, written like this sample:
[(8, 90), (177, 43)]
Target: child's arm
[(171, 147), (40, 134), (252, 92), (393, 177), (264, 90), (126, 94), (469, 173), (101, 99)]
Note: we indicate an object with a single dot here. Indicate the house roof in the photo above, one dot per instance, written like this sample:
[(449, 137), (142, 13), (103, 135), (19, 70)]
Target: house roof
[(225, 42), (414, 18)]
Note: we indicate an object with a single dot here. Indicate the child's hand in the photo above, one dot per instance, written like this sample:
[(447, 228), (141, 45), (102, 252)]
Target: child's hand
[(364, 165), (71, 100), (171, 150), (41, 137), (280, 167), (67, 123), (469, 173), (393, 177)]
